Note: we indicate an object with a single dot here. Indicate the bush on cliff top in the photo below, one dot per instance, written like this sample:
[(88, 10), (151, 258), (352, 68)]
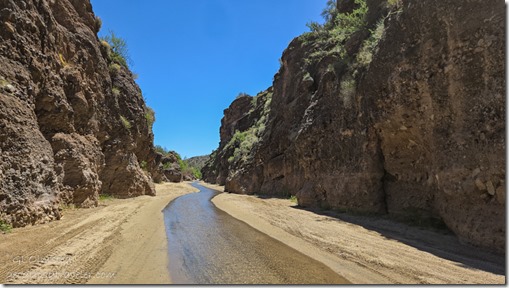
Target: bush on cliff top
[(98, 23), (336, 30), (119, 51), (150, 116), (161, 149)]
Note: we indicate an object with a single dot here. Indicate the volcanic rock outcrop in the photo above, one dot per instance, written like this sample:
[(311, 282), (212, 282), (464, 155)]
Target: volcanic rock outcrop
[(171, 168), (402, 115), (73, 124)]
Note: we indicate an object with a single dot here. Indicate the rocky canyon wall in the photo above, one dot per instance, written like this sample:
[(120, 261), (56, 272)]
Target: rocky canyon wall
[(404, 114), (73, 124)]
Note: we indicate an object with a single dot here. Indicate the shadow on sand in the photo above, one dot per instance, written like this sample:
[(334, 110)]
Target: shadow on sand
[(439, 242)]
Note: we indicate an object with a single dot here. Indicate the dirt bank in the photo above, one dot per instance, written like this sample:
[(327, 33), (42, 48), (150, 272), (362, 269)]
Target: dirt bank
[(121, 241), (365, 249)]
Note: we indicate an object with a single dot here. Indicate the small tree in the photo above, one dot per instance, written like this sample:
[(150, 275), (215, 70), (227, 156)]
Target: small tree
[(328, 14), (161, 149), (120, 52), (330, 11)]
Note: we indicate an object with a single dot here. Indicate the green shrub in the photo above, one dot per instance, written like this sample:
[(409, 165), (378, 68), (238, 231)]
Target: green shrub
[(365, 55), (329, 13), (307, 77), (119, 50), (150, 116), (293, 198), (107, 48), (196, 172), (98, 24), (5, 227), (161, 149), (183, 165), (106, 44), (243, 142), (347, 23), (115, 91), (143, 165), (3, 82), (106, 197), (393, 3), (119, 59), (125, 122), (187, 169), (338, 27), (238, 137), (314, 26), (176, 155), (114, 68)]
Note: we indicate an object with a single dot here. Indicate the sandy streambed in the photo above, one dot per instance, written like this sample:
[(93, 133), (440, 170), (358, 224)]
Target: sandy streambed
[(365, 249), (121, 241)]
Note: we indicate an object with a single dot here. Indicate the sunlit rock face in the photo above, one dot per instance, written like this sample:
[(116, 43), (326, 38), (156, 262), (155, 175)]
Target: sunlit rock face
[(71, 127)]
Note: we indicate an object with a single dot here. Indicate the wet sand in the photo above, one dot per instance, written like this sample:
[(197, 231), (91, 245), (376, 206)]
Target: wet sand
[(366, 250)]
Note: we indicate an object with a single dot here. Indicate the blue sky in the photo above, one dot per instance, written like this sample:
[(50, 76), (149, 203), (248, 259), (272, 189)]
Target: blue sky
[(194, 57)]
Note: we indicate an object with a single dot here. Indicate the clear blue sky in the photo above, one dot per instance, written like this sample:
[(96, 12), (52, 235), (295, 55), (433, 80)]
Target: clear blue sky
[(194, 57)]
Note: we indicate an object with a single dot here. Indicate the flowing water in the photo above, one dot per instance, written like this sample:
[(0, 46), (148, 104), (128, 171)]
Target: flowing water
[(208, 246)]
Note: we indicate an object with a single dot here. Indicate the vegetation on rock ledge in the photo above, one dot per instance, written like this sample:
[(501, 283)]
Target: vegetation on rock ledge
[(118, 48)]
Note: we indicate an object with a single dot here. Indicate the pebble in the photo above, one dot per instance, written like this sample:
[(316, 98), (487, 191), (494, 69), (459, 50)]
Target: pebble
[(480, 185), (491, 188), (476, 172), (9, 88)]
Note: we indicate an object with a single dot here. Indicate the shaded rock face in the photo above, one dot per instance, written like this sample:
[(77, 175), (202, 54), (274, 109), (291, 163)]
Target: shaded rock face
[(171, 168), (418, 132), (229, 164), (440, 116), (63, 115), (235, 118), (157, 168)]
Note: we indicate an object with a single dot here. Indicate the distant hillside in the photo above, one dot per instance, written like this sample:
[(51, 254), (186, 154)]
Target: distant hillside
[(198, 161)]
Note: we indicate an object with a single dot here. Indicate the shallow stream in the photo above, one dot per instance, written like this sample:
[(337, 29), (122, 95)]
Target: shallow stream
[(208, 246)]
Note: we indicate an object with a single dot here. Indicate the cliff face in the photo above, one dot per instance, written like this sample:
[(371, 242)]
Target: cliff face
[(242, 129), (406, 118), (441, 121), (73, 124)]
